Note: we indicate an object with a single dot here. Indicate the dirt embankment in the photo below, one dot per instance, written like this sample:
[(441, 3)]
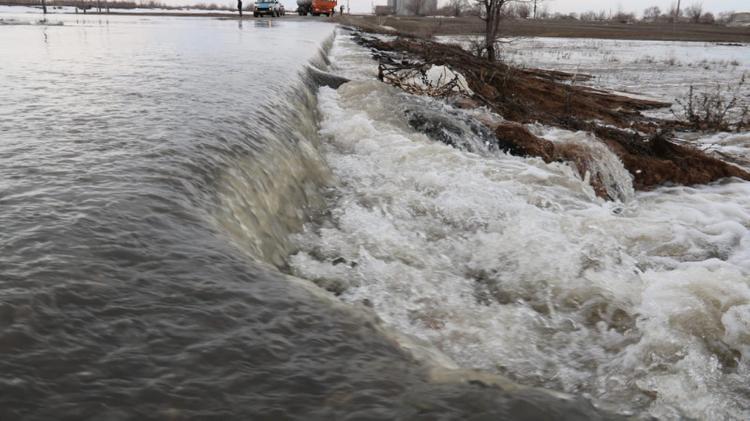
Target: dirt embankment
[(423, 26), (552, 98)]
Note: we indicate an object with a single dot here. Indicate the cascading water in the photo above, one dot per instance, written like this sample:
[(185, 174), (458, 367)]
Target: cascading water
[(601, 162), (267, 195), (514, 266), (152, 175)]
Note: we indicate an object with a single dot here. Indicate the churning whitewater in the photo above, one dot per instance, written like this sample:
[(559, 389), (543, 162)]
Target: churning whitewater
[(514, 266), (152, 177)]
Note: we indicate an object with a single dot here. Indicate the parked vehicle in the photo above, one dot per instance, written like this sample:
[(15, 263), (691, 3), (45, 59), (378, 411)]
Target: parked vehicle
[(316, 7), (268, 7), (304, 7)]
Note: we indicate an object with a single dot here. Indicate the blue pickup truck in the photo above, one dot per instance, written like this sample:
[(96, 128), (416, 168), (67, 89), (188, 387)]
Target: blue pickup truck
[(268, 7)]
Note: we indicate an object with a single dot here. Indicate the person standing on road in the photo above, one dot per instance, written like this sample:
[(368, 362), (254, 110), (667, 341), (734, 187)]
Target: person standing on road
[(342, 10), (239, 7)]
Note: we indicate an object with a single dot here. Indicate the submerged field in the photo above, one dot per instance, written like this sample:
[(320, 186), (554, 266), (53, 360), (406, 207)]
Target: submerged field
[(655, 69), (662, 70)]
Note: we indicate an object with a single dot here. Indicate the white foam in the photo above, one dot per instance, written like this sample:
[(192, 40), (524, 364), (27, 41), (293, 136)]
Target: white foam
[(513, 265), (602, 163)]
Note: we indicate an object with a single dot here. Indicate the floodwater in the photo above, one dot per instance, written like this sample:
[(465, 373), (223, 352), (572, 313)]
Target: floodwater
[(192, 228), (513, 266), (153, 172)]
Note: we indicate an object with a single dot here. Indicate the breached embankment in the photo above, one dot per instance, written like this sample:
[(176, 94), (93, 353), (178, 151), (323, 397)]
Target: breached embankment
[(266, 198), (525, 96), (122, 298), (512, 266)]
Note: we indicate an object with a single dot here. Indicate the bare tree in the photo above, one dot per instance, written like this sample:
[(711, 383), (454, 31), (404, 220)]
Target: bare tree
[(652, 13), (492, 15), (623, 17), (588, 16), (675, 12), (457, 7), (725, 17), (535, 8), (708, 17), (523, 11), (694, 12)]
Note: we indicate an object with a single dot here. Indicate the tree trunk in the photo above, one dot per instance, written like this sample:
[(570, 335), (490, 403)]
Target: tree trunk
[(491, 52), (493, 15), (44, 6)]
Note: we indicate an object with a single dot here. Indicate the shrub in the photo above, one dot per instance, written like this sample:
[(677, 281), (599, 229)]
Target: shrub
[(714, 110), (708, 17)]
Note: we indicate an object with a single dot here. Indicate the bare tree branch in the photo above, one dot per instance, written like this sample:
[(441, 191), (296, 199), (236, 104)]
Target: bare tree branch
[(492, 14)]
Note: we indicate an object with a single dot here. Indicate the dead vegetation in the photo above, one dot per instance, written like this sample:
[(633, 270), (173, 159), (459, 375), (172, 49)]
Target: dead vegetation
[(552, 98), (416, 79), (717, 109)]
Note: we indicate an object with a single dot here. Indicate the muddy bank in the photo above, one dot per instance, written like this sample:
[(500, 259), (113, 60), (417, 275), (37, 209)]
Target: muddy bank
[(525, 96)]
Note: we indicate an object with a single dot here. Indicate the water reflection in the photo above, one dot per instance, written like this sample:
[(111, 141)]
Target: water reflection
[(265, 23)]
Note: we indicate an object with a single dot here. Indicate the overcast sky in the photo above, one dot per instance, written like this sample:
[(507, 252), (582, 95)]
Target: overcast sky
[(579, 6)]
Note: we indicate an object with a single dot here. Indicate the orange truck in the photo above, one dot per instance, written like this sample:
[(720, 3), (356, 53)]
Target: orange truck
[(316, 7)]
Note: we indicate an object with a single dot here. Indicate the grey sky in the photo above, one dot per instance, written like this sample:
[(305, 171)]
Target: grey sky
[(638, 5)]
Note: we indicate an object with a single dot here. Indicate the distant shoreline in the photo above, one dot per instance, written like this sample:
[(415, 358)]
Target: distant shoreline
[(431, 26)]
